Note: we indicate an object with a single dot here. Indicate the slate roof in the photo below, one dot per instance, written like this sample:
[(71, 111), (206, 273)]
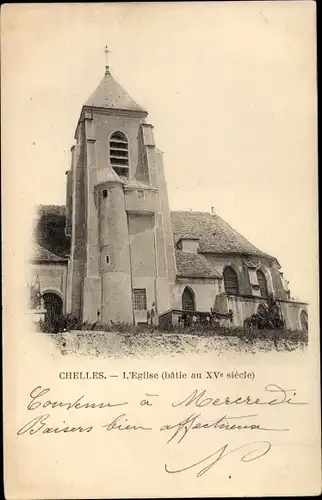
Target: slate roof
[(215, 235), (194, 265), (110, 94)]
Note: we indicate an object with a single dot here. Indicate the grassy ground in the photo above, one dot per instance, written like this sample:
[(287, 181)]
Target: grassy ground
[(152, 343)]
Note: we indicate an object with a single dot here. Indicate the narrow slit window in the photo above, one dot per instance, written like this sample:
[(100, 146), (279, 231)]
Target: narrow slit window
[(107, 259), (104, 193)]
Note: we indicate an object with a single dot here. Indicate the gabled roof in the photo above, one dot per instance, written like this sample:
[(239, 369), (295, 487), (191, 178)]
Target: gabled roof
[(189, 237), (194, 265), (214, 234), (110, 94)]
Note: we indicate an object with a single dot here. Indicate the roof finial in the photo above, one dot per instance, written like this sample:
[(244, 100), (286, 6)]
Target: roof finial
[(107, 68)]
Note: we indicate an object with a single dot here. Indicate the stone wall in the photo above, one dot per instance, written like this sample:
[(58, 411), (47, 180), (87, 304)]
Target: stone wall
[(142, 245), (268, 267), (244, 307), (204, 291), (291, 313)]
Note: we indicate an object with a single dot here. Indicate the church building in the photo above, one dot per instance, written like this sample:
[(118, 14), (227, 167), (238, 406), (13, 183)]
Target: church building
[(116, 252)]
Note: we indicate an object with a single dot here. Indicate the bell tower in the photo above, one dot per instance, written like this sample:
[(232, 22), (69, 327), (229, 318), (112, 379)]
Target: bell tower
[(122, 256)]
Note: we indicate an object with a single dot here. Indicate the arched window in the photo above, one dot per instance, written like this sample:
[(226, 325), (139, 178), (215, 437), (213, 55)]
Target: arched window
[(231, 281), (304, 319), (119, 154), (262, 283), (188, 300)]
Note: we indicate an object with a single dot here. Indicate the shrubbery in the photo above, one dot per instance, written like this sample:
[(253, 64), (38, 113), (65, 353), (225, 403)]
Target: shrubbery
[(63, 323), (68, 322)]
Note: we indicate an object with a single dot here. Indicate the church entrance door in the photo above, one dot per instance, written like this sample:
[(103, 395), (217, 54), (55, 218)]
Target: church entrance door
[(54, 308)]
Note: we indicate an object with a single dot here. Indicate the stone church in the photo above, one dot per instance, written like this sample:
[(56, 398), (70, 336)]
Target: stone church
[(116, 252)]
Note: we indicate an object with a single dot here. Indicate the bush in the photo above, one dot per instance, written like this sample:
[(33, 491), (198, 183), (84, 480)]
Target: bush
[(63, 323), (248, 335)]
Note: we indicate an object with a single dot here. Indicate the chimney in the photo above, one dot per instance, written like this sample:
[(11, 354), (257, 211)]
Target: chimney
[(213, 211)]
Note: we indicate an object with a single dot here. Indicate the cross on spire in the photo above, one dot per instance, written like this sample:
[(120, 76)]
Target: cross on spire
[(106, 58)]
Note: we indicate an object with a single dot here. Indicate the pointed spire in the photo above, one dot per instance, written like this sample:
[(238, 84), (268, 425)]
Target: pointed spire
[(110, 94)]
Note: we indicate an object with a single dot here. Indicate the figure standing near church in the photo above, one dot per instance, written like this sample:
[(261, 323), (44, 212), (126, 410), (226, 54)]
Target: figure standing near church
[(153, 315), (35, 297)]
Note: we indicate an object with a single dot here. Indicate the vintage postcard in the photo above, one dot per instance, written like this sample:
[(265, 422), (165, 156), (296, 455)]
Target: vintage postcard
[(160, 250)]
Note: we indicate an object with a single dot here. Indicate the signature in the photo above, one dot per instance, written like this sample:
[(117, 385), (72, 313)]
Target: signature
[(254, 451)]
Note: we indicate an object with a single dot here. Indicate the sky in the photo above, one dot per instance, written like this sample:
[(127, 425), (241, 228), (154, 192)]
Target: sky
[(230, 89)]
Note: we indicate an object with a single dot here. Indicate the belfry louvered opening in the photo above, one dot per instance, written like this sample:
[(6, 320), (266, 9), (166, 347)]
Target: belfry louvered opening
[(119, 154)]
